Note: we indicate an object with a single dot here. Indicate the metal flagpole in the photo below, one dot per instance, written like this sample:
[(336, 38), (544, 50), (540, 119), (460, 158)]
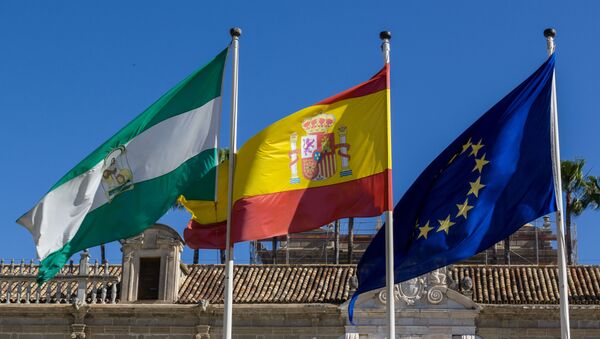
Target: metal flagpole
[(228, 307), (385, 37), (550, 33)]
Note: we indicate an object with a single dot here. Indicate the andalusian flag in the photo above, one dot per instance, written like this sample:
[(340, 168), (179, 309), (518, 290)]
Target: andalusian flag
[(132, 179), (322, 163)]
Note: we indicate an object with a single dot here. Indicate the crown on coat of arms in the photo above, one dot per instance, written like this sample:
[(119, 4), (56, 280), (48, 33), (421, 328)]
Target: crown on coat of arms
[(319, 123)]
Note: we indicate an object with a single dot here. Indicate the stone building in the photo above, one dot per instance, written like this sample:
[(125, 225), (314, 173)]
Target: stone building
[(152, 294)]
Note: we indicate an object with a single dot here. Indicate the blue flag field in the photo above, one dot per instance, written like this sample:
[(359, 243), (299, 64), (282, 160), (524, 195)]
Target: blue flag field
[(494, 178)]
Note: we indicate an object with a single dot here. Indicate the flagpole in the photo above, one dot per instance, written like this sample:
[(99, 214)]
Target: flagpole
[(550, 33), (385, 37), (228, 303)]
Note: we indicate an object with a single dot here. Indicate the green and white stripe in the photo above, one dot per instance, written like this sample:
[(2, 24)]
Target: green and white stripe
[(170, 148)]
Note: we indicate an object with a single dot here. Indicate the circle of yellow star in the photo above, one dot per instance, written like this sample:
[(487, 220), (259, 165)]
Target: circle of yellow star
[(424, 230), (479, 163), (476, 147), (475, 187), (463, 209), (445, 224)]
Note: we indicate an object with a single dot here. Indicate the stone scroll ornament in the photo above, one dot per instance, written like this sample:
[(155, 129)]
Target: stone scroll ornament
[(430, 285)]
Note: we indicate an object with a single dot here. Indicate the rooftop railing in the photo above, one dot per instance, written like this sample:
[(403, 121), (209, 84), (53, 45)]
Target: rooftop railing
[(83, 283)]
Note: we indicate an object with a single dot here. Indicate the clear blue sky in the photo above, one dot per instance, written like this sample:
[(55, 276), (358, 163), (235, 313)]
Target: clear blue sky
[(72, 73)]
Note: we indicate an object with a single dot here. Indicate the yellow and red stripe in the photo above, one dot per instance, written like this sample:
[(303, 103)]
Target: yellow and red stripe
[(271, 201)]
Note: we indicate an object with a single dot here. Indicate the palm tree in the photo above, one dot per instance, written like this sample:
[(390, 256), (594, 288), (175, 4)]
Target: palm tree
[(582, 192)]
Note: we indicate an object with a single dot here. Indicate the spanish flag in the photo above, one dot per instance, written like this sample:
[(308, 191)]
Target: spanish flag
[(325, 162)]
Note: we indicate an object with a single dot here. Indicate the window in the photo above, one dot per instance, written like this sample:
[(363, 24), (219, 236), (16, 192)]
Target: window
[(148, 279)]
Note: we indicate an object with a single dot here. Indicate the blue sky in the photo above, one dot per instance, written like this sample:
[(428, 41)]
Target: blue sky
[(72, 73)]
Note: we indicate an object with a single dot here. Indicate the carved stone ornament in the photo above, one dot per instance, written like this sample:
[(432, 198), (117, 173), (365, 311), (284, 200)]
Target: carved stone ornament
[(78, 331), (203, 304), (202, 332), (431, 285), (435, 295), (466, 285), (80, 310)]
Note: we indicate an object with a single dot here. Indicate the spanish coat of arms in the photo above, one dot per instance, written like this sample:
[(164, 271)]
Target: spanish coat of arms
[(318, 150)]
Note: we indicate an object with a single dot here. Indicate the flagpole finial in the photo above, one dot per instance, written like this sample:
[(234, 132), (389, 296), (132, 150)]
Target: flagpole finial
[(235, 32), (385, 37), (549, 32)]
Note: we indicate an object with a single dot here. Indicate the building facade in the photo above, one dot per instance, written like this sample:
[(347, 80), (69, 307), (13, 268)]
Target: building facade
[(152, 294)]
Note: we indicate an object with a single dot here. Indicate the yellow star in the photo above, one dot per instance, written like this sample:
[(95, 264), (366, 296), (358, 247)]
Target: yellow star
[(445, 224), (476, 147), (463, 209), (424, 230), (452, 159), (466, 146), (417, 224), (479, 163), (475, 187)]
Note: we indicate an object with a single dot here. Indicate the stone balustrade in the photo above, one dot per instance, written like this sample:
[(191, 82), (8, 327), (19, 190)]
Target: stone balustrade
[(82, 283)]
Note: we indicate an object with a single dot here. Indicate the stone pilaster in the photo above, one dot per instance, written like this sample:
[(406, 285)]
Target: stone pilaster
[(80, 310)]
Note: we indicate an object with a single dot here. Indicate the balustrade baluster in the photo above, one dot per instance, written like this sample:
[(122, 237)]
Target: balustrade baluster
[(28, 292), (37, 293), (8, 292), (19, 291), (48, 295), (68, 292), (74, 295), (94, 292), (59, 292), (113, 292), (103, 294)]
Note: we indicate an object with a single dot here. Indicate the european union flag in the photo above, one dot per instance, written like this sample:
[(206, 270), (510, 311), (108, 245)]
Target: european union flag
[(494, 178)]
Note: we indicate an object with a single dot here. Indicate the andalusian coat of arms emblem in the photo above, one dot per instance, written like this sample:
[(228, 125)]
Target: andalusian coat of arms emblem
[(318, 150), (116, 173)]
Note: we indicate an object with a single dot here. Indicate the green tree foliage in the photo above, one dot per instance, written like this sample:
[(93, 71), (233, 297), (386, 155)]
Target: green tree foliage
[(582, 192)]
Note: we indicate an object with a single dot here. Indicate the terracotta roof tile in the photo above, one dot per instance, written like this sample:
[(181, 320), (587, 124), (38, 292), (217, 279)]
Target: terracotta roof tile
[(528, 284), (270, 284)]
